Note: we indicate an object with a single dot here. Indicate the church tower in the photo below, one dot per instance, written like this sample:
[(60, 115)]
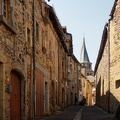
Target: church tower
[(85, 62)]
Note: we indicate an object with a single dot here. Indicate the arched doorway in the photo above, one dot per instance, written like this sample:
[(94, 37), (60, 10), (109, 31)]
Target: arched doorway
[(15, 96)]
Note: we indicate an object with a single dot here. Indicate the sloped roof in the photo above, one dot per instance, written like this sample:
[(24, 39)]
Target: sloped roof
[(57, 26), (84, 55), (113, 9), (91, 79), (102, 46)]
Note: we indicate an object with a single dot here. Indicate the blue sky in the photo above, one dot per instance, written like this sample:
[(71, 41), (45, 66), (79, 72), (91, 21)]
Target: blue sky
[(86, 17)]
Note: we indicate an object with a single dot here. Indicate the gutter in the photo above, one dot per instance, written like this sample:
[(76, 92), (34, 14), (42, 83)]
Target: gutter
[(108, 96), (34, 64), (58, 72)]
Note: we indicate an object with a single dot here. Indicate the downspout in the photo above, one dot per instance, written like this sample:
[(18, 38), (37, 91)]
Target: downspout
[(66, 85), (58, 72), (108, 36), (34, 64)]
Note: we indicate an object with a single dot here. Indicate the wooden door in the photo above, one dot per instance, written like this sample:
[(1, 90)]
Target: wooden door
[(15, 97), (39, 93)]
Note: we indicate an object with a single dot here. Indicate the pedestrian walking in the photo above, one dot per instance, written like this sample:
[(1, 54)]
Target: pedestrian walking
[(83, 101)]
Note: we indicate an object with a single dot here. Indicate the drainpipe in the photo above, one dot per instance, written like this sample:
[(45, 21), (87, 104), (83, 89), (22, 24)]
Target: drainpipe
[(58, 72), (34, 64), (66, 83), (108, 36)]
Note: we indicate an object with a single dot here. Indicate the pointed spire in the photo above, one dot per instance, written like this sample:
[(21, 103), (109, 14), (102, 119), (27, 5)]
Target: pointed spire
[(84, 55)]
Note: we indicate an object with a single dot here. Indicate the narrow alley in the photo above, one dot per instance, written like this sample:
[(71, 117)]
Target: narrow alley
[(41, 77), (81, 113)]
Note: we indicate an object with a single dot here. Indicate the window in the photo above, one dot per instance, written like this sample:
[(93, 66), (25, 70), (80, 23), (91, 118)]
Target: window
[(43, 41), (90, 73), (87, 74), (5, 8), (37, 31), (117, 82), (43, 38), (28, 35)]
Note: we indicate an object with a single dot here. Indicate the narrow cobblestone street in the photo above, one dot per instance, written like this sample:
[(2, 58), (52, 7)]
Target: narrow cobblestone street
[(81, 113), (70, 113), (96, 113)]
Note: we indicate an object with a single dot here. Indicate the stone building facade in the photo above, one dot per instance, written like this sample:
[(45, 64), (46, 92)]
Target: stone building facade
[(34, 61), (107, 64), (87, 79), (87, 90), (101, 75), (73, 79), (15, 59), (73, 83)]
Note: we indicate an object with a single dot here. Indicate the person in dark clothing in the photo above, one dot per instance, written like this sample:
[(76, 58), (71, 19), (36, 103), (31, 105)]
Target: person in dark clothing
[(83, 101)]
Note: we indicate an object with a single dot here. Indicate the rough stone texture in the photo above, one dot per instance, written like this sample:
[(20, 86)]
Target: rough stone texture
[(16, 54), (87, 90), (115, 57), (102, 80), (102, 75)]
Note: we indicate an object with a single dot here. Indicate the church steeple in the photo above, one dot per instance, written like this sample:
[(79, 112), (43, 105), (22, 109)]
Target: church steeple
[(85, 62), (84, 55)]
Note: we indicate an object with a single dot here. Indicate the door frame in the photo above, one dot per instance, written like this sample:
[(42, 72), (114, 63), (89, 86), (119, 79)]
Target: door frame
[(22, 91)]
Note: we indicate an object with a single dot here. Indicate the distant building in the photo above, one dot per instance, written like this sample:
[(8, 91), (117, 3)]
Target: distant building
[(88, 75), (85, 62)]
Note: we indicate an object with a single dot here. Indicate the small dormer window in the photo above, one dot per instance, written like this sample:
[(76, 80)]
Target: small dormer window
[(5, 8)]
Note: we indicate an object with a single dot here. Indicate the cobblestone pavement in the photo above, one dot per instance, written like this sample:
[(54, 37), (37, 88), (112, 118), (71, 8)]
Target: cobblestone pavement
[(70, 113), (96, 113)]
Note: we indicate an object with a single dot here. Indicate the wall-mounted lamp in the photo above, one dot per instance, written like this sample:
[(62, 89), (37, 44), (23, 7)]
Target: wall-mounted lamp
[(9, 88)]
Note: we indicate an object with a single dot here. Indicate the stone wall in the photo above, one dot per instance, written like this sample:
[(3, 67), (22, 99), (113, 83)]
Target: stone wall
[(102, 79), (115, 57), (51, 57), (107, 77)]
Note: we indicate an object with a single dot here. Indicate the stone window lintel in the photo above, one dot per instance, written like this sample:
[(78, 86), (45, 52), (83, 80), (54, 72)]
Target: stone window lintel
[(7, 24)]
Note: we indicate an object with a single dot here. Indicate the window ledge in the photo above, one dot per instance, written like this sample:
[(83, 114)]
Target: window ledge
[(7, 24)]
